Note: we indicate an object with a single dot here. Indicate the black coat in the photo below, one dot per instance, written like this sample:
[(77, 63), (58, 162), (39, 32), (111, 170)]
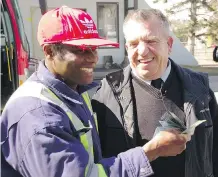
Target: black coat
[(113, 104)]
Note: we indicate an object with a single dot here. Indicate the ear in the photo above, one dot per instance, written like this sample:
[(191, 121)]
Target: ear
[(170, 44), (47, 51)]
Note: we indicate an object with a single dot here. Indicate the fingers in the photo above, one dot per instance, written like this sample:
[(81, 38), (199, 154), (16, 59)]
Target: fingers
[(187, 137), (171, 142), (182, 138), (164, 145), (182, 148), (176, 134), (173, 130)]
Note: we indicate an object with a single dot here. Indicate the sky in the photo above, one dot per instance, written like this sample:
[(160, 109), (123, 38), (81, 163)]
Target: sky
[(163, 6)]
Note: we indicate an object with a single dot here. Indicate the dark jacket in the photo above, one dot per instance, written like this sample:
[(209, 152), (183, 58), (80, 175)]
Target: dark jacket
[(113, 104)]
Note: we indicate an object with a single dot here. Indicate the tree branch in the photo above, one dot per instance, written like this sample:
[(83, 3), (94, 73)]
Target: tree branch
[(180, 4), (208, 7)]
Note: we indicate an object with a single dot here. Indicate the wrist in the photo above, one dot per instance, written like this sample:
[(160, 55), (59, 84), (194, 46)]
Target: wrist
[(151, 151)]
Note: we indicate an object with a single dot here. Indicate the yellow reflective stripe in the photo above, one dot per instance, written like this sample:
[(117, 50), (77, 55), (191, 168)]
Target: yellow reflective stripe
[(86, 170), (90, 142), (9, 67), (54, 96), (85, 96), (78, 125), (101, 171), (84, 141), (12, 51), (92, 151)]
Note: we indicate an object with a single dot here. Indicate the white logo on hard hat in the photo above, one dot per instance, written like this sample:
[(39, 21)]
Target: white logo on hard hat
[(87, 23), (90, 31), (90, 25)]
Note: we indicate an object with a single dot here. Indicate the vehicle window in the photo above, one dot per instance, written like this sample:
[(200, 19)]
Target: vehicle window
[(7, 62), (108, 21), (8, 26), (7, 37), (20, 24)]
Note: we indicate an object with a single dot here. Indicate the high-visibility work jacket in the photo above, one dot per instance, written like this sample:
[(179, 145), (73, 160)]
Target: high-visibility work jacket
[(42, 92)]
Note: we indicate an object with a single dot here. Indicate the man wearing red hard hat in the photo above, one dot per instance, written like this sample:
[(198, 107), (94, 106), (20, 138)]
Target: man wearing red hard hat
[(48, 128)]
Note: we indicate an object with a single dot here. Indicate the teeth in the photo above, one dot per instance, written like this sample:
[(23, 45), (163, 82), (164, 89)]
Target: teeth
[(150, 59), (146, 60), (87, 69)]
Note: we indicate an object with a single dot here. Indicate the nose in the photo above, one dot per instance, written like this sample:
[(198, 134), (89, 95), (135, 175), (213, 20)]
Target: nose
[(143, 48)]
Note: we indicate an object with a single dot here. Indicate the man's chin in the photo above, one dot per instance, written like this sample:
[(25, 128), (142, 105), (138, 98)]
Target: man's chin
[(87, 81), (144, 75), (148, 76)]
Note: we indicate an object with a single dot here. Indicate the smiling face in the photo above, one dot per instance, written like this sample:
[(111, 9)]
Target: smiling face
[(74, 65), (148, 46)]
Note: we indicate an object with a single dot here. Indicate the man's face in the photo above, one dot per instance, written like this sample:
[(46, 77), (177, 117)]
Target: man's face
[(148, 47), (76, 65)]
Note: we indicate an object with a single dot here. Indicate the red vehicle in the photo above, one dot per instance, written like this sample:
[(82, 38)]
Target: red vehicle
[(14, 49)]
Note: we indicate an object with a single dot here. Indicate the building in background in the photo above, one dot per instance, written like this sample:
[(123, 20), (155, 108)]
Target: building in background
[(108, 15)]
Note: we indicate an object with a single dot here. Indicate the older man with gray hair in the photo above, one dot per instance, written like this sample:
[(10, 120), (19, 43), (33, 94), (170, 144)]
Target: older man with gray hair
[(134, 103)]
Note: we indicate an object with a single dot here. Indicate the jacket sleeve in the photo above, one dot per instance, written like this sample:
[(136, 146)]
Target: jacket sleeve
[(214, 114)]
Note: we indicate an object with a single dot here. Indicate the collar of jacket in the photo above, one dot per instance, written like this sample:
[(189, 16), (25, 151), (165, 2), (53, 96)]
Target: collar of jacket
[(59, 86), (119, 79)]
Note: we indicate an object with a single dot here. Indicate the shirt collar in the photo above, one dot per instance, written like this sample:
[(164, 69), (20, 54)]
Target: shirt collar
[(57, 85), (164, 76), (166, 73)]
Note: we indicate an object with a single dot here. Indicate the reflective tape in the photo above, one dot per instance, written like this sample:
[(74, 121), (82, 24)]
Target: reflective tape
[(86, 98)]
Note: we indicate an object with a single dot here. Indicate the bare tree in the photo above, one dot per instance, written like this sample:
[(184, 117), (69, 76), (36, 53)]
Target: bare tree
[(202, 22)]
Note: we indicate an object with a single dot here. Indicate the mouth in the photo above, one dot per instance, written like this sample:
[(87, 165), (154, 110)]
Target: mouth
[(145, 61), (88, 70)]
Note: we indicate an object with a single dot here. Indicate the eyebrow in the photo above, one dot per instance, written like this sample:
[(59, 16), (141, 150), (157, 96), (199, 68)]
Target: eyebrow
[(145, 38), (150, 38)]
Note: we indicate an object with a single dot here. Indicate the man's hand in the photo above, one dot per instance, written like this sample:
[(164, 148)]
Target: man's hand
[(166, 143)]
